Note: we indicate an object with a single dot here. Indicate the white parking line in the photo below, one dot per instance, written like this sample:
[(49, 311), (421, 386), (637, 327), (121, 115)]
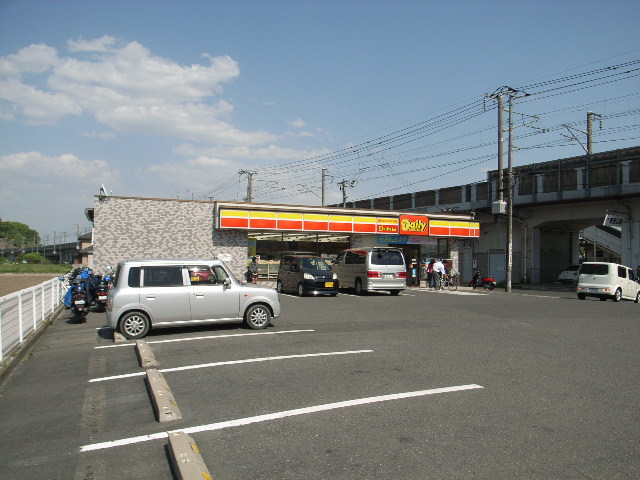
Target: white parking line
[(274, 416), (206, 337), (231, 362), (539, 296), (449, 292)]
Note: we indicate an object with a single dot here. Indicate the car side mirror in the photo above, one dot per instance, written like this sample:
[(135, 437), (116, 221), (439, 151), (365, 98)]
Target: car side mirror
[(227, 282)]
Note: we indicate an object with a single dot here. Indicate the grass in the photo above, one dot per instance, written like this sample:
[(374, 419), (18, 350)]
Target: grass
[(33, 268)]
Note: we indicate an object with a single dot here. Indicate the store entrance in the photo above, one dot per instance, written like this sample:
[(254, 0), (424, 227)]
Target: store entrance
[(412, 259)]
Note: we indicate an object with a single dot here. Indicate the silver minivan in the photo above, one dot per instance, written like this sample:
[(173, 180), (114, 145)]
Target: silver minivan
[(607, 280), (178, 292), (371, 268)]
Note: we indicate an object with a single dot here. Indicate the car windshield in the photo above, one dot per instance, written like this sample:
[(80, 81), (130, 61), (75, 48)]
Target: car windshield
[(594, 269), (313, 263), (572, 268), (386, 257)]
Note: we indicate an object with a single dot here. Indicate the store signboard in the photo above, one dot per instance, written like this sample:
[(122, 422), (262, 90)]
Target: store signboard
[(413, 226)]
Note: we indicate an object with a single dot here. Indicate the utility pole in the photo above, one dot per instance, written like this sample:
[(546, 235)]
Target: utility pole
[(589, 133), (324, 184), (250, 175), (507, 185), (509, 258), (344, 184)]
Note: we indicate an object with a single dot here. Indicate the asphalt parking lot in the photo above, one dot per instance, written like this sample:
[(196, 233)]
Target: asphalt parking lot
[(424, 385)]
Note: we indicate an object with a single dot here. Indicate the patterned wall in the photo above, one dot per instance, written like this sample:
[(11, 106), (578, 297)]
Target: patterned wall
[(128, 228)]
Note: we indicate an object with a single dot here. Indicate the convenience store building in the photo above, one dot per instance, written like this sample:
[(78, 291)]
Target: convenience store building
[(133, 227)]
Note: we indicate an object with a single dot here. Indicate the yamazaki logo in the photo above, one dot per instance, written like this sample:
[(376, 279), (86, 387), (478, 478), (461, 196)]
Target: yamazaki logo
[(414, 225)]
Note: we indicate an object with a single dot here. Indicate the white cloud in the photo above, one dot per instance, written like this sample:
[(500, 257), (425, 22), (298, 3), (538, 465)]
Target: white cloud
[(36, 166), (102, 44), (101, 135), (34, 59), (51, 192), (126, 88), (251, 154), (298, 123)]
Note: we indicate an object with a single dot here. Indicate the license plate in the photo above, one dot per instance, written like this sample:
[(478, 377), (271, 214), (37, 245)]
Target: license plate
[(593, 290), (328, 284), (102, 297), (79, 302), (388, 275)]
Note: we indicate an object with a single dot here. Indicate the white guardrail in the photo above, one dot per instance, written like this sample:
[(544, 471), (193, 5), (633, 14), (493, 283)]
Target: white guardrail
[(25, 311)]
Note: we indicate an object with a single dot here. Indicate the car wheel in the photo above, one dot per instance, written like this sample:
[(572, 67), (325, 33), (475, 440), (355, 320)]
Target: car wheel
[(301, 290), (279, 286), (395, 292), (581, 296), (359, 290), (134, 325), (617, 296), (257, 317), (637, 300)]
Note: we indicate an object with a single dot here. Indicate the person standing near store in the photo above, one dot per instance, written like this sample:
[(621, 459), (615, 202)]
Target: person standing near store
[(429, 272), (438, 273), (253, 270)]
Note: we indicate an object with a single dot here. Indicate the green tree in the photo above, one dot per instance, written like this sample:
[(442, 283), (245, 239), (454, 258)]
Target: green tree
[(19, 234)]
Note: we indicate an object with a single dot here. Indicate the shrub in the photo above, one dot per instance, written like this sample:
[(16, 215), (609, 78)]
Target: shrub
[(32, 257)]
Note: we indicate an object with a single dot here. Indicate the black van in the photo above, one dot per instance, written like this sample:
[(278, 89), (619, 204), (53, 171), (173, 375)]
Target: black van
[(306, 275)]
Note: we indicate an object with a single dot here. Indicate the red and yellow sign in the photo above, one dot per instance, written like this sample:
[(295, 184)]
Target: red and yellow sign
[(451, 228), (414, 225), (305, 222), (278, 220)]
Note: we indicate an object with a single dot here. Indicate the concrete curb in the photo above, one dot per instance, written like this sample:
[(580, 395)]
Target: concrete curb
[(165, 405), (145, 355), (15, 356), (186, 458)]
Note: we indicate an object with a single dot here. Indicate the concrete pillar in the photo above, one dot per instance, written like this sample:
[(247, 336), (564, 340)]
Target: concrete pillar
[(474, 193), (580, 178), (575, 248), (535, 255), (413, 200), (539, 183), (437, 192), (625, 172)]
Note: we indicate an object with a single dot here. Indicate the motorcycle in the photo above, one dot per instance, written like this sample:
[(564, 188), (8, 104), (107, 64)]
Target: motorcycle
[(102, 293), (80, 300), (486, 282)]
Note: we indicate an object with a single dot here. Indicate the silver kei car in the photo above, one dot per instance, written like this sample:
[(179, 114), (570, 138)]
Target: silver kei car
[(153, 293)]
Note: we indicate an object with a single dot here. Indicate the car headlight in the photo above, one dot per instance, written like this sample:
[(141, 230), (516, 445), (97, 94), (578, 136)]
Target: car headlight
[(308, 276)]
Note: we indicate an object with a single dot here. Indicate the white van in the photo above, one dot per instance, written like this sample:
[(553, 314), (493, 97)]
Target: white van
[(607, 280), (371, 268)]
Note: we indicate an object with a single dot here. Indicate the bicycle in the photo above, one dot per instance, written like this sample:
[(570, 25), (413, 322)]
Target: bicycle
[(451, 281)]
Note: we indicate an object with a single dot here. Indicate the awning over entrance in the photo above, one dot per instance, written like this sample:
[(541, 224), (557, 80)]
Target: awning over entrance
[(332, 220)]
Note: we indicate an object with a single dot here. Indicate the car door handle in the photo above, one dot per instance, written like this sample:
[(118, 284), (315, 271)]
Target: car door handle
[(199, 294), (151, 297)]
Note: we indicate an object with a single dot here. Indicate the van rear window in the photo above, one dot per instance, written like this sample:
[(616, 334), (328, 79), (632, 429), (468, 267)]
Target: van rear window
[(386, 257), (594, 269)]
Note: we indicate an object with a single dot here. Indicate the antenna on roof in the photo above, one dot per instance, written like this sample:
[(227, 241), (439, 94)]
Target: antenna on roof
[(103, 192)]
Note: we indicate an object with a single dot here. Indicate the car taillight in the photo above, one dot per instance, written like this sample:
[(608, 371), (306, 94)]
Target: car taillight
[(401, 275), (372, 274)]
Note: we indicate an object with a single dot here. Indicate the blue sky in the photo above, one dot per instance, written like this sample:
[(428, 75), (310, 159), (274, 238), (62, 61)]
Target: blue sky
[(172, 99)]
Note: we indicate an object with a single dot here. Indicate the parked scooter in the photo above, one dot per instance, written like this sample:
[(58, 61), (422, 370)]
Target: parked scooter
[(102, 293), (486, 282), (80, 295), (80, 299)]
